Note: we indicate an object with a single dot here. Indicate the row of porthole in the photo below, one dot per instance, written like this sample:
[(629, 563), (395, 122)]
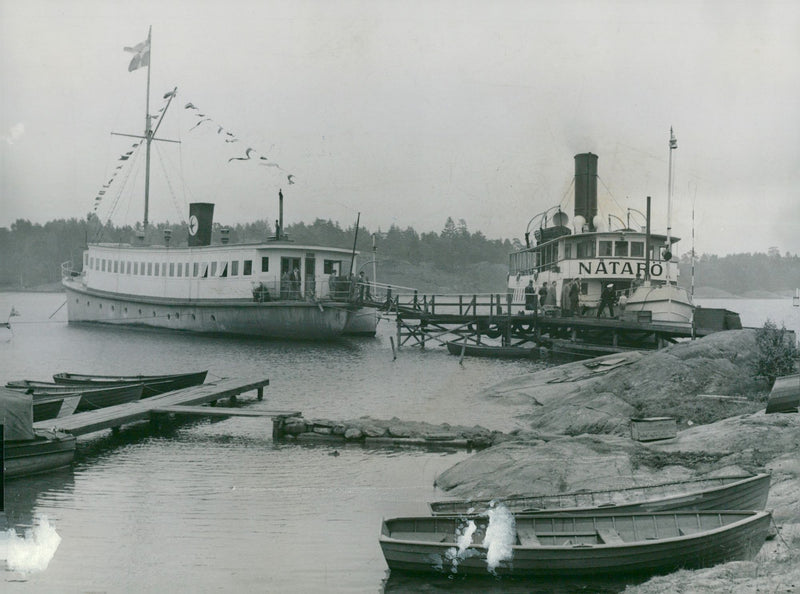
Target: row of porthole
[(169, 316)]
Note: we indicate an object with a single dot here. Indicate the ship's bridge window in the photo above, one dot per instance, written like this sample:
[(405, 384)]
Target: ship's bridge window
[(637, 249), (247, 269), (234, 267), (604, 249), (586, 248), (264, 263), (621, 249), (567, 250)]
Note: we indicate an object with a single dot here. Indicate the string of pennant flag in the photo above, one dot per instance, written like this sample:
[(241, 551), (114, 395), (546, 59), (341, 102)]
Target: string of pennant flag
[(250, 154)]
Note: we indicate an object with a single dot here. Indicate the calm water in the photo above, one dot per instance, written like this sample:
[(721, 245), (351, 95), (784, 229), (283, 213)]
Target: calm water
[(217, 506)]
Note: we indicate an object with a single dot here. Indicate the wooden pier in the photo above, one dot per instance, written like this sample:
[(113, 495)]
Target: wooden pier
[(472, 318), (186, 401)]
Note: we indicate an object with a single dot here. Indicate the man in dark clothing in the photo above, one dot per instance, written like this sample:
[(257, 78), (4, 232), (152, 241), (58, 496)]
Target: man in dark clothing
[(607, 300), (542, 293), (530, 296), (574, 293)]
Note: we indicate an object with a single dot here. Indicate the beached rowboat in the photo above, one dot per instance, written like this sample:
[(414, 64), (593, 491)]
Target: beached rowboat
[(575, 545), (742, 491), (153, 384)]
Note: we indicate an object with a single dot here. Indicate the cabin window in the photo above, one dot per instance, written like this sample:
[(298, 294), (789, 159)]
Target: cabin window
[(127, 267), (621, 249), (604, 249), (331, 266), (157, 268), (637, 249), (116, 265), (135, 268), (247, 269), (205, 270), (224, 272), (103, 265), (171, 269), (586, 248), (195, 269), (149, 269), (235, 268), (180, 268), (85, 259), (567, 250), (213, 269), (264, 263)]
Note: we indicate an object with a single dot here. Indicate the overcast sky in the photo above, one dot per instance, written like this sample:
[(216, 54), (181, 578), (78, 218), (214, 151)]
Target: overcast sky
[(409, 112)]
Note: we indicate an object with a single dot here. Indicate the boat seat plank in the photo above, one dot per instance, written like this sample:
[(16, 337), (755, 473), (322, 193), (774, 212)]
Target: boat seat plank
[(609, 536), (527, 537)]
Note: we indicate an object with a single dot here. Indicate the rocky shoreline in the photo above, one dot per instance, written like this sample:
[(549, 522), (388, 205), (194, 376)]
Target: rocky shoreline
[(579, 438)]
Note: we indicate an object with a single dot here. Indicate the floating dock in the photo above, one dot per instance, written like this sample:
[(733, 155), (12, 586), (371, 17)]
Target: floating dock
[(185, 401)]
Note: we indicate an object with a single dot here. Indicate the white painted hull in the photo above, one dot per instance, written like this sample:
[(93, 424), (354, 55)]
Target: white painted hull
[(303, 320)]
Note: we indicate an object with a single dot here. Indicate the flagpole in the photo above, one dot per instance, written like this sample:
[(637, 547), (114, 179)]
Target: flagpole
[(147, 134)]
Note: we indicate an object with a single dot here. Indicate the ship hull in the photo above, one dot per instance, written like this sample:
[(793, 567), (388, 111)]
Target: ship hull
[(301, 320)]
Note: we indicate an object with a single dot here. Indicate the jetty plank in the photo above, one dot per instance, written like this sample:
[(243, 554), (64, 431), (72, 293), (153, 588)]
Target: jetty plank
[(219, 411), (122, 414)]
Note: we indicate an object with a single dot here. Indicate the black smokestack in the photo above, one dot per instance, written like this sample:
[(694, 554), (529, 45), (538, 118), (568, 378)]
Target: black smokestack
[(201, 217), (586, 187)]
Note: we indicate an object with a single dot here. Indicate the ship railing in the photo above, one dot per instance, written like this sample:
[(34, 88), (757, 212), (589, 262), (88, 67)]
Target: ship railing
[(459, 303), (67, 271)]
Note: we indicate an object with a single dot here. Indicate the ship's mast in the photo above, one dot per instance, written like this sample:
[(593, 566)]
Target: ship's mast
[(150, 131), (673, 144), (147, 134)]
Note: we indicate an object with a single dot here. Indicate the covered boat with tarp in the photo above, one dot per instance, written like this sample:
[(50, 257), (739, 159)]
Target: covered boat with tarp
[(28, 450)]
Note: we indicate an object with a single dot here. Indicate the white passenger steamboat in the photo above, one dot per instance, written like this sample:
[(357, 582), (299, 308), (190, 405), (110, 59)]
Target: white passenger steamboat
[(636, 263), (274, 289)]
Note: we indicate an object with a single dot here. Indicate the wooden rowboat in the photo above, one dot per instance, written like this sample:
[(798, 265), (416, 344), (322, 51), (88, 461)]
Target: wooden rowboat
[(91, 397), (153, 384), (52, 407), (456, 347), (566, 545), (726, 492)]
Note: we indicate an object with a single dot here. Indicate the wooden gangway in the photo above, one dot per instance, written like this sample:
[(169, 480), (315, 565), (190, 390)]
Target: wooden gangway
[(421, 318), (183, 401)]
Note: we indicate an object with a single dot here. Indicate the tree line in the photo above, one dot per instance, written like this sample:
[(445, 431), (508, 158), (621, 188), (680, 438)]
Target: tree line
[(31, 254)]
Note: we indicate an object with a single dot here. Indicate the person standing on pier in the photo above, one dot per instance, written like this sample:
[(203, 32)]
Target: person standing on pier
[(574, 296), (607, 300), (542, 293)]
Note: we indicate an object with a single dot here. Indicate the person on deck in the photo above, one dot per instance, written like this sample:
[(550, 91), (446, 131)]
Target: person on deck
[(542, 293), (530, 296), (551, 299), (607, 300)]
